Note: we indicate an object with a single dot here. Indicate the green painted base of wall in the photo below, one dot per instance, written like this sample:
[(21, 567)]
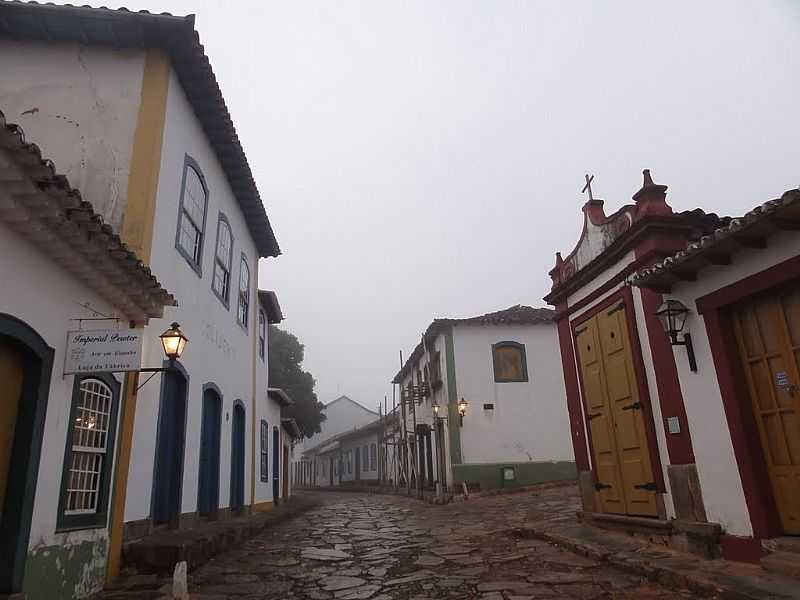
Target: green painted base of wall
[(490, 476), (55, 572)]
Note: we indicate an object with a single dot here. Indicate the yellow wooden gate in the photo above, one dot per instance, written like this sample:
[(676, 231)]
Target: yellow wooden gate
[(11, 372), (768, 336), (624, 474)]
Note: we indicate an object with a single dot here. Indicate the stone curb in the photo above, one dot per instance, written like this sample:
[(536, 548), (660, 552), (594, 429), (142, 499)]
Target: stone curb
[(654, 571), (160, 552)]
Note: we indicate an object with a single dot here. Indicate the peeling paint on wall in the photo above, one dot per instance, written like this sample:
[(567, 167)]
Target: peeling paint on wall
[(66, 571)]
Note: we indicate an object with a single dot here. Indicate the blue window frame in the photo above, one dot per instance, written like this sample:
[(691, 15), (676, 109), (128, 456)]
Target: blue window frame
[(192, 215), (223, 257)]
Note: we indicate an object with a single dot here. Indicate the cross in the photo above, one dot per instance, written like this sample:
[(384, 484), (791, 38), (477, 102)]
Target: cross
[(588, 186)]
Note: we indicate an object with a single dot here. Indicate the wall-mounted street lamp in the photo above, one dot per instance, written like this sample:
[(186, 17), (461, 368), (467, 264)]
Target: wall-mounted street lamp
[(173, 342), (435, 411), (462, 410), (672, 314)]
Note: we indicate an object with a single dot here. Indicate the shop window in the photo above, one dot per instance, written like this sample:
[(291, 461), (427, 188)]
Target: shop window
[(89, 455)]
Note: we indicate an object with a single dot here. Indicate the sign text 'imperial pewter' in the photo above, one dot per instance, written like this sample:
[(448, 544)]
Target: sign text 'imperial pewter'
[(103, 350)]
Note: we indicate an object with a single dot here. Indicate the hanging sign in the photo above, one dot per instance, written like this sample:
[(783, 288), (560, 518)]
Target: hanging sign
[(103, 350)]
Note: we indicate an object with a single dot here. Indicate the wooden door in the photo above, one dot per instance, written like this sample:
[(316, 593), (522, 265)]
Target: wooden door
[(615, 415), (276, 448), (210, 430), (286, 470), (768, 336), (237, 458), (12, 369), (170, 445)]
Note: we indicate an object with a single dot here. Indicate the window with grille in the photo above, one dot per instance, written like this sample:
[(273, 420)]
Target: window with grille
[(244, 292), (264, 445), (89, 452), (192, 215), (373, 457), (262, 334), (221, 282), (365, 458)]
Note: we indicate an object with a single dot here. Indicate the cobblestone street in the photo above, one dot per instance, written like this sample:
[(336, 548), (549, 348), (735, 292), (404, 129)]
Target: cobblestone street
[(379, 547)]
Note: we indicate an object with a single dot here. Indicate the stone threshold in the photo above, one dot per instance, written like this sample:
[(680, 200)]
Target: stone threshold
[(159, 552), (677, 570)]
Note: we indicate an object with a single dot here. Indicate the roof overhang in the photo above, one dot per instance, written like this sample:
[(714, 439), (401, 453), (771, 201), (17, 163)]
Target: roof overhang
[(42, 206), (717, 248), (269, 300), (279, 396), (176, 37)]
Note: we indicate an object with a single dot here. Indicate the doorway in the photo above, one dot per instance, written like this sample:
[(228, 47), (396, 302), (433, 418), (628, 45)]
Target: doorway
[(276, 449), (286, 470), (330, 470), (614, 412), (170, 446), (358, 463), (26, 362), (210, 430), (767, 332), (237, 457)]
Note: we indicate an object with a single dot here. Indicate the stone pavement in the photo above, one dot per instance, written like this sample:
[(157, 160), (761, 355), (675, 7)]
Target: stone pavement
[(358, 546)]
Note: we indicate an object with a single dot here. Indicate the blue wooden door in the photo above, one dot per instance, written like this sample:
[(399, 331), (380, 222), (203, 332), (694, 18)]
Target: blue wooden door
[(168, 476), (208, 486), (275, 465), (237, 458)]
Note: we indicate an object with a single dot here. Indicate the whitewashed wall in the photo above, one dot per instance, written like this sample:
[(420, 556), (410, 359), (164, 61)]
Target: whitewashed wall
[(343, 414), (529, 421), (713, 448), (219, 349), (47, 301), (80, 104), (356, 443), (270, 411)]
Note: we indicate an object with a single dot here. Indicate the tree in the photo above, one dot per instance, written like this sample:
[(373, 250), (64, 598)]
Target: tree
[(286, 354)]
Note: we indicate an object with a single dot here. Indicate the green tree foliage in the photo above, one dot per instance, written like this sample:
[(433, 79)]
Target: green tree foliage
[(285, 354)]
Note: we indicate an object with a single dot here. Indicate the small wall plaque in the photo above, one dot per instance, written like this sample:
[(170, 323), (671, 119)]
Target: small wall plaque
[(674, 424), (488, 407)]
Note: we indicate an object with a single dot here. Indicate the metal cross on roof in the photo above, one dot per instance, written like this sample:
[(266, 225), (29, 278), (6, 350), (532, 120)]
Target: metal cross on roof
[(588, 186)]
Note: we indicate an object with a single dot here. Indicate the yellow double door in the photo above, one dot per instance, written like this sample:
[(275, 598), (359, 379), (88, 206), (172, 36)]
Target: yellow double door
[(768, 335), (615, 416)]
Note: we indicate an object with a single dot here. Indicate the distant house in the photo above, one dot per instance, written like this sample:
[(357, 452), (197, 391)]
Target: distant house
[(679, 345), (504, 365), (342, 414)]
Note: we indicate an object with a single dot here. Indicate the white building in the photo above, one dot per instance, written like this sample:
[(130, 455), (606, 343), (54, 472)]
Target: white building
[(62, 270), (128, 104), (342, 414), (693, 426), (505, 366)]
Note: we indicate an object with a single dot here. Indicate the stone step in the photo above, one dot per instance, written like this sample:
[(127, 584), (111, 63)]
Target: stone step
[(782, 563)]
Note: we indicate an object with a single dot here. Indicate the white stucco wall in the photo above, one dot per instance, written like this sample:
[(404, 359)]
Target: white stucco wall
[(356, 444), (47, 298), (529, 421), (219, 349), (716, 463), (80, 105)]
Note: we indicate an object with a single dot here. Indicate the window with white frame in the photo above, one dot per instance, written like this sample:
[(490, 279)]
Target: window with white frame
[(221, 281), (244, 292), (89, 452), (192, 216), (262, 334)]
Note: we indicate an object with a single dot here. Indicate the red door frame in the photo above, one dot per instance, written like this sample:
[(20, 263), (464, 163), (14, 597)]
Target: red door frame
[(625, 295), (716, 309)]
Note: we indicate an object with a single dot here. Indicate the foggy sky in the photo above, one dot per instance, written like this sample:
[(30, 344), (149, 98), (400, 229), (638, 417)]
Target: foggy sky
[(425, 159)]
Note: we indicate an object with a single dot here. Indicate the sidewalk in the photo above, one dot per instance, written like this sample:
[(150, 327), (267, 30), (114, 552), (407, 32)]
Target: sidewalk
[(729, 580), (159, 552)]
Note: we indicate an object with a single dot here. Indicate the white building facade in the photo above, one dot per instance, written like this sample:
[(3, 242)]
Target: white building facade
[(515, 430), (128, 103)]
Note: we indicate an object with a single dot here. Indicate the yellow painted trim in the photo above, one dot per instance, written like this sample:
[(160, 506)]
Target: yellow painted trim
[(139, 216), (264, 506), (121, 476)]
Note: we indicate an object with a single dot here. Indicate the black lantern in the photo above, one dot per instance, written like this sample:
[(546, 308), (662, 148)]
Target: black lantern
[(462, 410), (672, 314), (435, 408), (173, 341)]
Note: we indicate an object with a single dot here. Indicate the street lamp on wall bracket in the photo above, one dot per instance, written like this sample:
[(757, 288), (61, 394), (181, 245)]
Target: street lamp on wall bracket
[(462, 410), (673, 314), (173, 343)]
